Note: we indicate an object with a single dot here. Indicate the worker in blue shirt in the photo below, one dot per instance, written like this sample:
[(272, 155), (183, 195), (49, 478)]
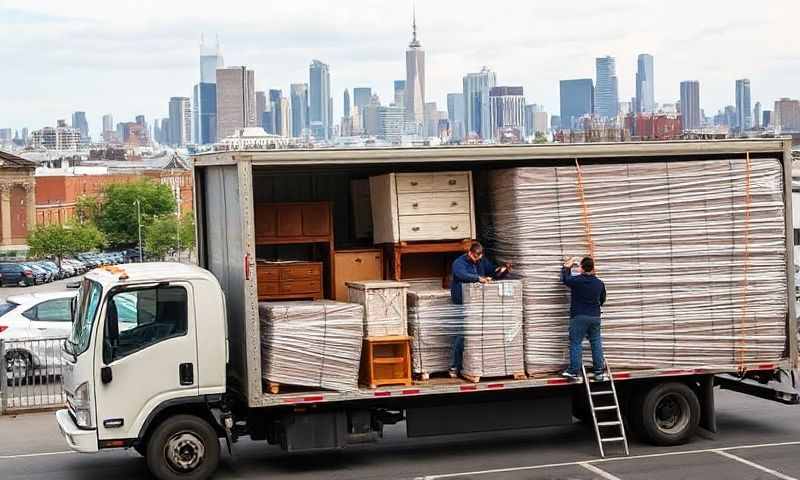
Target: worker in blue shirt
[(472, 267), (588, 294)]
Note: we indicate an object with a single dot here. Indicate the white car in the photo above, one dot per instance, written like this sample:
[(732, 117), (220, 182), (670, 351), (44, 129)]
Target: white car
[(32, 327)]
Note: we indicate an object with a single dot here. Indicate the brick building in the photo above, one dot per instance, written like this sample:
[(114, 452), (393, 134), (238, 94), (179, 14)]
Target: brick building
[(17, 200), (653, 126)]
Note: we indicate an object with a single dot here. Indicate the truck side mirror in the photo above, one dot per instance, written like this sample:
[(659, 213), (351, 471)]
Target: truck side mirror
[(73, 285)]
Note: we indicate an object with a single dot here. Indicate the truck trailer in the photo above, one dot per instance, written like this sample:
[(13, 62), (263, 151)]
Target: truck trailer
[(166, 358)]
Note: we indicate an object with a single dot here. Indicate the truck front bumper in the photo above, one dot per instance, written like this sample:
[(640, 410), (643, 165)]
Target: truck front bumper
[(84, 441)]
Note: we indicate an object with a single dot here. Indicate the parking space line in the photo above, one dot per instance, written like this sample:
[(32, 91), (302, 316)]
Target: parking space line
[(29, 455), (598, 471), (755, 465)]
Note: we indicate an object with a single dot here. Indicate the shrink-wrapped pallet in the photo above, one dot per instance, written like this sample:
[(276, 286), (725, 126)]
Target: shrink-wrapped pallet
[(493, 329), (312, 344), (385, 310), (433, 323), (692, 254)]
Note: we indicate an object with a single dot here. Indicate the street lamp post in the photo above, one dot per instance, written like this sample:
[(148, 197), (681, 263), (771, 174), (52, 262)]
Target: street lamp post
[(139, 220)]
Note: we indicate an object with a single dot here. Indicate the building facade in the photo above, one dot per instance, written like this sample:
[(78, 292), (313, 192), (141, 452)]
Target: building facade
[(414, 102), (645, 100), (236, 100), (319, 100), (476, 103), (400, 93), (180, 121), (690, 105), (507, 112), (261, 107), (576, 101), (56, 138), (744, 112), (787, 115), (455, 114), (606, 92), (346, 103), (757, 115), (17, 200), (79, 123), (299, 102), (390, 123)]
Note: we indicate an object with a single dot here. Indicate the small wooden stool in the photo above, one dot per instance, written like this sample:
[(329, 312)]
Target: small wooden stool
[(386, 361)]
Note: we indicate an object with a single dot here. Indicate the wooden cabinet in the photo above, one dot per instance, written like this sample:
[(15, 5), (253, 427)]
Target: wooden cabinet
[(289, 280), (286, 223), (355, 265), (422, 207)]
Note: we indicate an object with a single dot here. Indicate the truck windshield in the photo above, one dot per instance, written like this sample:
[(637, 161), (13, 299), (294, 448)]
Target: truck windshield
[(88, 301)]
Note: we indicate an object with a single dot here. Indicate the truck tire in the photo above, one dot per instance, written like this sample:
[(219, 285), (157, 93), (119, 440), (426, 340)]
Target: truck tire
[(667, 414), (183, 447)]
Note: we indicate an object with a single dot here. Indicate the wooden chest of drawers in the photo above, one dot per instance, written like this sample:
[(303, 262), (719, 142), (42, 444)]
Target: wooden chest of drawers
[(422, 206), (355, 265), (289, 280)]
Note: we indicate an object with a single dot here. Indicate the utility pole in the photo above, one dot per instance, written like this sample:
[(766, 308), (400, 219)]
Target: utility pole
[(139, 219)]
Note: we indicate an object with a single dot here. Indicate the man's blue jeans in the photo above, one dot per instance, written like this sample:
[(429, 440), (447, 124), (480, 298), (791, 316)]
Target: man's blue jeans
[(457, 356), (580, 327)]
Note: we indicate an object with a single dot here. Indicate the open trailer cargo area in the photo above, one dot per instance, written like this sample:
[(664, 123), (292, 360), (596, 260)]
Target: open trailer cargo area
[(690, 238)]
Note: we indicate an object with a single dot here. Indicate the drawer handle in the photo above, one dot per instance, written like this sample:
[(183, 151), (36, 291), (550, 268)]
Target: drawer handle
[(453, 204), (416, 229), (452, 181), (415, 204), (414, 184), (358, 260), (454, 227)]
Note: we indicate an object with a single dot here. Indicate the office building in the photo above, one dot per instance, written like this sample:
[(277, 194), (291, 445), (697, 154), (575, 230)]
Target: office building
[(205, 94), (390, 121), (180, 122), (361, 96), (210, 62), (319, 100), (285, 117), (507, 112), (346, 103), (370, 112), (414, 103), (164, 140), (690, 105), (56, 138), (576, 101), (645, 94), (744, 119), (79, 122), (535, 120), (455, 114), (757, 115), (606, 103), (108, 123), (298, 93), (236, 100), (787, 115), (476, 102), (400, 93), (261, 107), (766, 119), (555, 122)]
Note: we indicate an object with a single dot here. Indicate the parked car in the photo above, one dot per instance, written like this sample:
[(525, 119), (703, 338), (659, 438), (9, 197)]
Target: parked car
[(39, 276), (14, 274), (80, 267), (55, 272)]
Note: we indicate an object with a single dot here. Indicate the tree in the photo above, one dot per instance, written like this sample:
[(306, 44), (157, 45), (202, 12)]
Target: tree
[(118, 216), (87, 209), (164, 234), (61, 240)]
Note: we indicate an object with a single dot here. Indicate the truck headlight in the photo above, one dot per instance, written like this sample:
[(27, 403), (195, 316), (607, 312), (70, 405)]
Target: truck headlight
[(81, 405)]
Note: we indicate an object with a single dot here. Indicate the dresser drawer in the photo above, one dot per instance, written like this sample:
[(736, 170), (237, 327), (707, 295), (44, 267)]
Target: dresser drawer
[(433, 203), (414, 182), (299, 287), (267, 273), (435, 227), (267, 288), (451, 182), (299, 272)]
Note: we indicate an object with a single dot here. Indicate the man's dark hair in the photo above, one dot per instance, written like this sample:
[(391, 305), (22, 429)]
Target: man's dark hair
[(587, 264), (476, 248)]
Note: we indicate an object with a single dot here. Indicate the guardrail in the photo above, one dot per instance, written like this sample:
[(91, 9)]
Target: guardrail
[(31, 374)]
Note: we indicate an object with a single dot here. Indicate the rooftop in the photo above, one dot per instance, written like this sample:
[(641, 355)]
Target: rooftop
[(13, 161)]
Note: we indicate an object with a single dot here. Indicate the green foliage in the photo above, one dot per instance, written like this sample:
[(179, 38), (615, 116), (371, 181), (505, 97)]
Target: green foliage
[(61, 240), (87, 209), (164, 234), (118, 216), (540, 138)]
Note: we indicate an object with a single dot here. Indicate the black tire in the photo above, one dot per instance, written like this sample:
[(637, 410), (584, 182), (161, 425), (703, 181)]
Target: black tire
[(183, 435), (666, 414), (19, 368), (141, 448)]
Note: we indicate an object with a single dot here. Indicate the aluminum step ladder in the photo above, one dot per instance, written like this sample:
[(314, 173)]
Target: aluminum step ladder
[(603, 403)]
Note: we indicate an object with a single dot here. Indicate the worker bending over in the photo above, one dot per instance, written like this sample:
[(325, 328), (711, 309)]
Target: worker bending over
[(588, 294), (472, 267)]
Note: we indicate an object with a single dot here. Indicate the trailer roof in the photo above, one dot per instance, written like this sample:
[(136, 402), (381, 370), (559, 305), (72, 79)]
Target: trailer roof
[(482, 153)]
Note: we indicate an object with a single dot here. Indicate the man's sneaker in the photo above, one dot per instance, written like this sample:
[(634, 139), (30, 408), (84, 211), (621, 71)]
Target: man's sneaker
[(601, 377), (453, 373), (570, 375)]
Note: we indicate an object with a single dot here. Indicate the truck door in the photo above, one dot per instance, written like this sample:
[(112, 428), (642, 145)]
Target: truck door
[(148, 355)]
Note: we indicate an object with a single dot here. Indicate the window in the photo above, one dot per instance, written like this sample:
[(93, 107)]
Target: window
[(89, 299), (797, 236), (136, 319), (59, 310)]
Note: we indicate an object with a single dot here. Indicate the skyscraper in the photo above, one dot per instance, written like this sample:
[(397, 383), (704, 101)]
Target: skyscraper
[(298, 93), (236, 100), (285, 117), (606, 102), (576, 100), (400, 93), (274, 103), (261, 107), (346, 103), (361, 96), (690, 105), (455, 113), (787, 115), (744, 119), (79, 122), (645, 97), (210, 61), (766, 119), (319, 99), (415, 82), (180, 121), (108, 123), (205, 100), (390, 123), (757, 115), (507, 112), (476, 102)]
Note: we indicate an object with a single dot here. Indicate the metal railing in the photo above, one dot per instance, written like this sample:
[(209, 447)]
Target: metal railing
[(31, 374)]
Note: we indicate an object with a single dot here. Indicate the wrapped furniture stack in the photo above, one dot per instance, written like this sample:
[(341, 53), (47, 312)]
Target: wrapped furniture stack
[(312, 344), (692, 255), (433, 323)]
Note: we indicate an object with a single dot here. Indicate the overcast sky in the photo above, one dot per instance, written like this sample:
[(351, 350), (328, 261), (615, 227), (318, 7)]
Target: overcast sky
[(129, 57)]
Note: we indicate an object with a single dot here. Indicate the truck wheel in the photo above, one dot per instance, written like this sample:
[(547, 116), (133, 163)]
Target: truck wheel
[(667, 414), (183, 447)]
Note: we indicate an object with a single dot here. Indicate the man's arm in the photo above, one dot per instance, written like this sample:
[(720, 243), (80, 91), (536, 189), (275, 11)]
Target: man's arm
[(566, 276), (462, 273), (603, 294)]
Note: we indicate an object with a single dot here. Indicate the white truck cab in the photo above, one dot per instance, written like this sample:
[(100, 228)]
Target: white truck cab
[(146, 338)]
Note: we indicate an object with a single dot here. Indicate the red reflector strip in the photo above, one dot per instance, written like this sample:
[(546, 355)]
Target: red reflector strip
[(383, 394), (495, 385), (468, 388), (315, 398), (412, 391), (557, 381), (767, 366), (621, 376), (113, 443)]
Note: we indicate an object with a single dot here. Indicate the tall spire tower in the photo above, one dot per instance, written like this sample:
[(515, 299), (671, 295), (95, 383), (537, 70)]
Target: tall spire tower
[(415, 82)]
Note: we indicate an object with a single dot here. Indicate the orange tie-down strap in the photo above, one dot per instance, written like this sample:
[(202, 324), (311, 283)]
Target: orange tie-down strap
[(587, 224), (741, 346)]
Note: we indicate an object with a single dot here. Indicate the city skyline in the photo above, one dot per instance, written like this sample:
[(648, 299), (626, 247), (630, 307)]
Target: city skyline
[(373, 57)]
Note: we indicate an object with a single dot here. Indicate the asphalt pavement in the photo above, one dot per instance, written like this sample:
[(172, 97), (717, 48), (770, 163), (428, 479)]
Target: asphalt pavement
[(59, 285), (757, 440)]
